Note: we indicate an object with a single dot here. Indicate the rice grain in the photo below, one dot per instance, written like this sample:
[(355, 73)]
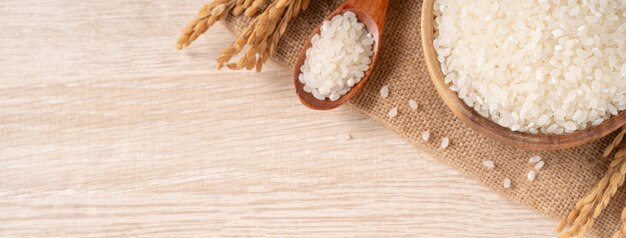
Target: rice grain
[(445, 142), (384, 91), (393, 112), (412, 104), (425, 135), (539, 165), (531, 175), (489, 164), (534, 159)]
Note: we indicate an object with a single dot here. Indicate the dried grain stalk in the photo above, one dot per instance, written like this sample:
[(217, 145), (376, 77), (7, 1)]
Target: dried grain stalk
[(588, 209), (622, 231), (207, 16), (616, 142), (259, 39)]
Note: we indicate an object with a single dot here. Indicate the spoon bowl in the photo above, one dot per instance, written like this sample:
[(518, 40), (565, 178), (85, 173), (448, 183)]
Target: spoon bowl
[(372, 14), (491, 129)]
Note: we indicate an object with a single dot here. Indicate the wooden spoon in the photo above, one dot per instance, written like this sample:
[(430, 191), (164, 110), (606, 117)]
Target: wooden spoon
[(491, 129), (372, 14)]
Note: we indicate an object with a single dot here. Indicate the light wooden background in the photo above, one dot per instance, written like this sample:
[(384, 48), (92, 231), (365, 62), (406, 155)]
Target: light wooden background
[(107, 131)]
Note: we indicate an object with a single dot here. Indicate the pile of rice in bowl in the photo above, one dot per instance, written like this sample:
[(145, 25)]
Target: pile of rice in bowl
[(548, 67)]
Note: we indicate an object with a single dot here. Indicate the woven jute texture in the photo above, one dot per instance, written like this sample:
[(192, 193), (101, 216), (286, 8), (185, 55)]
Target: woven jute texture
[(567, 176)]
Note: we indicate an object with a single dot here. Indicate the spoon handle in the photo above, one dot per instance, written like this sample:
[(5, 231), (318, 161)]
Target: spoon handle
[(377, 9)]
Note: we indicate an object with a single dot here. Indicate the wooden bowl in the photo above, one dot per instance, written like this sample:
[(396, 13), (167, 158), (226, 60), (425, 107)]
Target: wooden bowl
[(486, 126)]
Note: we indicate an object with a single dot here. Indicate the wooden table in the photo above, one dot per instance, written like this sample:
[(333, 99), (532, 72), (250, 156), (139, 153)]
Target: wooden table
[(107, 131)]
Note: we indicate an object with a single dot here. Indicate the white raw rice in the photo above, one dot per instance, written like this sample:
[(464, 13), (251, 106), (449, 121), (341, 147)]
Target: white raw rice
[(506, 183), (489, 164), (445, 142), (413, 104), (338, 59), (393, 112), (384, 91), (543, 66), (426, 135), (534, 159), (539, 165), (531, 175)]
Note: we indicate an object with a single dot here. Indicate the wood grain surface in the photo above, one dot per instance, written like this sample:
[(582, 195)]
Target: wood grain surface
[(107, 131)]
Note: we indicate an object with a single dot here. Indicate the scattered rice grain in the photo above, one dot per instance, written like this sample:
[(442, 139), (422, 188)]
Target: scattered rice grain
[(426, 135), (489, 164), (393, 112), (539, 165), (384, 91), (531, 175), (506, 183), (445, 142), (534, 159), (413, 104)]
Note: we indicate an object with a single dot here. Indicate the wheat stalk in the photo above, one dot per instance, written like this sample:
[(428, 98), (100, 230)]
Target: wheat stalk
[(213, 12), (616, 142), (622, 231), (207, 16), (588, 209), (261, 37)]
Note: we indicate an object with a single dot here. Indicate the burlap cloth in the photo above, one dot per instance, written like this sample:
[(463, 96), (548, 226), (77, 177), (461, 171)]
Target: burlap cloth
[(567, 176)]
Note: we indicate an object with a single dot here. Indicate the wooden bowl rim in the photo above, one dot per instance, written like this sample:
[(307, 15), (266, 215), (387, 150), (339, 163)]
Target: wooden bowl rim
[(486, 126)]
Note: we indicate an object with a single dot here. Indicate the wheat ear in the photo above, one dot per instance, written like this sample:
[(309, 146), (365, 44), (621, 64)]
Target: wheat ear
[(207, 16), (589, 208), (262, 36), (616, 142), (622, 231)]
